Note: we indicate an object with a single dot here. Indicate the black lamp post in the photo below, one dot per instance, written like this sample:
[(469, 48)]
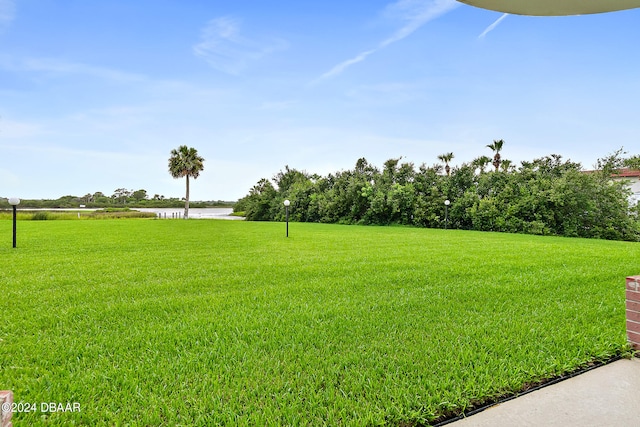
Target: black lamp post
[(14, 201), (446, 213), (286, 206)]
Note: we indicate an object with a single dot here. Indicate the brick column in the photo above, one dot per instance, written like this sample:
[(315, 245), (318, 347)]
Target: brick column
[(6, 397), (633, 311)]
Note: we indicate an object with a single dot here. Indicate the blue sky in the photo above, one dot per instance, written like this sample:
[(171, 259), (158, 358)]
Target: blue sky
[(94, 95)]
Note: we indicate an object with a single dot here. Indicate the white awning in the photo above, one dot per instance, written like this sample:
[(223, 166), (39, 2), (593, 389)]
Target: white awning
[(553, 7)]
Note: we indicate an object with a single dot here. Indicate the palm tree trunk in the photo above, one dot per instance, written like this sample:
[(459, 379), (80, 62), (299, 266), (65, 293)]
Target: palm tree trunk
[(186, 202)]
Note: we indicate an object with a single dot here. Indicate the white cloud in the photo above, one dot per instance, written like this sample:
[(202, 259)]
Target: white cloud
[(56, 66), (416, 13), (413, 13), (7, 13), (225, 49), (492, 26), (346, 64)]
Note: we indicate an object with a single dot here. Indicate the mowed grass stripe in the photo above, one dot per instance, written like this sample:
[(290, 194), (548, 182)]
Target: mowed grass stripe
[(149, 322)]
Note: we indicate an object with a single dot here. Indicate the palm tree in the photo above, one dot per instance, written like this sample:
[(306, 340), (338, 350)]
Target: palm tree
[(506, 165), (496, 147), (446, 158), (481, 163), (185, 162)]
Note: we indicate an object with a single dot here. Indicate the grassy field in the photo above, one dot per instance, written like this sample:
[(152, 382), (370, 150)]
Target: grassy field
[(204, 322)]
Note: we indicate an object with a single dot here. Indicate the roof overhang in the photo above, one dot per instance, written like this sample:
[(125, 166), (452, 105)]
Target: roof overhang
[(554, 7)]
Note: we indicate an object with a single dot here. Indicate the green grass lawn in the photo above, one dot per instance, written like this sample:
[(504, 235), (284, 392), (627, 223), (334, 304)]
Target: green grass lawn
[(203, 322)]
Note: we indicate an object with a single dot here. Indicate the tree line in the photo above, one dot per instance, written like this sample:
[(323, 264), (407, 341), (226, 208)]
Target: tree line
[(121, 198), (546, 196)]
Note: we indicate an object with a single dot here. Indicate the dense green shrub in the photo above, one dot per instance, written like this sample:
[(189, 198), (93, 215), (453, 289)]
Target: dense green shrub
[(547, 196)]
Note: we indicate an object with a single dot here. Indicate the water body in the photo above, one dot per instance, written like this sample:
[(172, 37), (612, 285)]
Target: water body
[(194, 213)]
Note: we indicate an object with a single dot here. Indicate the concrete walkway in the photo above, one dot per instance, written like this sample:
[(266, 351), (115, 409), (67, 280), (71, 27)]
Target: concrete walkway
[(605, 396)]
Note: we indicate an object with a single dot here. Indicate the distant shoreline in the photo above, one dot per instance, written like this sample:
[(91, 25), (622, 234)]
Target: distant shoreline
[(163, 213)]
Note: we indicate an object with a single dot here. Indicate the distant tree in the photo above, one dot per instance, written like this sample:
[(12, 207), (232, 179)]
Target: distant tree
[(632, 162), (257, 204), (185, 162), (612, 163), (121, 194), (496, 147), (437, 168), (507, 165), (446, 158), (139, 195), (99, 198), (481, 163), (285, 179), (365, 169)]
